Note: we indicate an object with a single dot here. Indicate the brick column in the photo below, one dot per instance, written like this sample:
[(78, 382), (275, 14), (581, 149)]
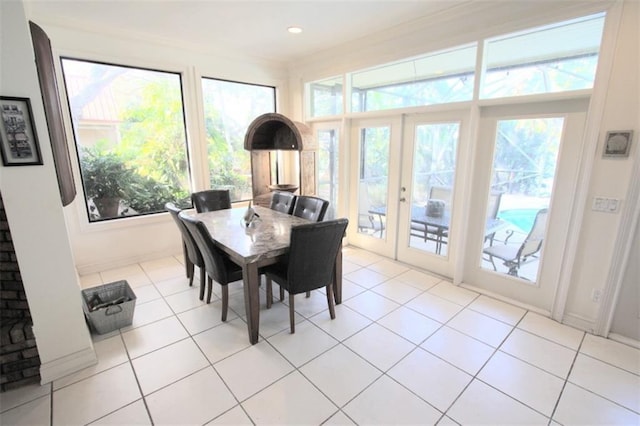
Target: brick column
[(19, 359)]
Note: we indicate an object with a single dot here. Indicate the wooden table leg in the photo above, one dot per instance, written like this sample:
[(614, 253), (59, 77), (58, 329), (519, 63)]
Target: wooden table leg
[(251, 281), (337, 278)]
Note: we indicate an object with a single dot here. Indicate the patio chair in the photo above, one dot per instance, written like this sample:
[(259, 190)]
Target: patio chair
[(514, 256), (366, 220)]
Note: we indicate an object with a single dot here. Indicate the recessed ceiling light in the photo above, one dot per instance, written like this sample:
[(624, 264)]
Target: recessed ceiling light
[(294, 30)]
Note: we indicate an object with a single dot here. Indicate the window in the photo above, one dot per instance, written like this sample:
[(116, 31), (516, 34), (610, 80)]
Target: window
[(325, 97), (130, 137), (436, 78), (550, 59), (328, 164), (229, 108)]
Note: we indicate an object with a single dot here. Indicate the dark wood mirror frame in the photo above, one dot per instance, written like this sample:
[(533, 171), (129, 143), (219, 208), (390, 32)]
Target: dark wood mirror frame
[(53, 112)]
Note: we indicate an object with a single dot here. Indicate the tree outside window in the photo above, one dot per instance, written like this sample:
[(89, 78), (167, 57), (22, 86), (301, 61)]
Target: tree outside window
[(130, 136), (229, 108)]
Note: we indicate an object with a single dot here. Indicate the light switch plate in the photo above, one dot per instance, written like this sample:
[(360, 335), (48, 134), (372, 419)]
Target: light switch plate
[(606, 205)]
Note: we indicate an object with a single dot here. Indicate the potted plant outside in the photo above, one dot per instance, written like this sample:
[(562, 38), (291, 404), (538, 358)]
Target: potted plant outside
[(106, 181)]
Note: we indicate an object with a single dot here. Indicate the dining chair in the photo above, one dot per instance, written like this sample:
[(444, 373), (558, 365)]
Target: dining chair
[(211, 200), (218, 265), (312, 208), (310, 263), (192, 255), (282, 201), (514, 256)]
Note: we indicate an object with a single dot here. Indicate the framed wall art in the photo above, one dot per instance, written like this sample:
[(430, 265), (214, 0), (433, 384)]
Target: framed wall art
[(618, 143), (18, 140)]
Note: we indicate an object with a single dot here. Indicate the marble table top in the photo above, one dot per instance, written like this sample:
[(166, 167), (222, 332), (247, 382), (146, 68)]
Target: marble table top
[(268, 236)]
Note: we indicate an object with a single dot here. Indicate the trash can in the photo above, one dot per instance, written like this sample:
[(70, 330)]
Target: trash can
[(109, 307)]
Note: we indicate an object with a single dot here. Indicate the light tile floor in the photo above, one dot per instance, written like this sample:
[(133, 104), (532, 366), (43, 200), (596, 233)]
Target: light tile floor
[(406, 348)]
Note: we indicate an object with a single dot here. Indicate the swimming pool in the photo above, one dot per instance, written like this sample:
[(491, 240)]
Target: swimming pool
[(522, 218)]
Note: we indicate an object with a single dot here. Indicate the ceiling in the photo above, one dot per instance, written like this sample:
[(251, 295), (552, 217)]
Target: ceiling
[(247, 28)]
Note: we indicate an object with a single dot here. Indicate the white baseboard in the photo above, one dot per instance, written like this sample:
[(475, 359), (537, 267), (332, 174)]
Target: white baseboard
[(119, 262), (579, 322), (506, 300), (53, 370), (625, 340)]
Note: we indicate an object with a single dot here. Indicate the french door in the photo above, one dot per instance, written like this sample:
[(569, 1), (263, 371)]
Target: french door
[(521, 197), (374, 181), (433, 145)]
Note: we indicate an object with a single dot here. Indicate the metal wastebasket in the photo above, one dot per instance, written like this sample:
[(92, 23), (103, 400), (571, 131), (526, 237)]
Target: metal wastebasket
[(109, 307)]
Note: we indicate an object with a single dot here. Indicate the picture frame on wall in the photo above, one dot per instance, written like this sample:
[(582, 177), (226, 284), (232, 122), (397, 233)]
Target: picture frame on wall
[(618, 143), (18, 139)]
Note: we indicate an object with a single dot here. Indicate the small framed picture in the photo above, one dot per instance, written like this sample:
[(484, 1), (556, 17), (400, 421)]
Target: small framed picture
[(618, 143), (18, 139)]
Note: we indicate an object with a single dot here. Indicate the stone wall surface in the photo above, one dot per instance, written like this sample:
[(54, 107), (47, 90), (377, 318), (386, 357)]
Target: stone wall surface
[(19, 359)]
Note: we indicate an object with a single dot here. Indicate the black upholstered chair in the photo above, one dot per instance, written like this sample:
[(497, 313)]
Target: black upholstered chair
[(192, 255), (218, 265), (211, 200), (312, 208), (310, 263), (282, 202)]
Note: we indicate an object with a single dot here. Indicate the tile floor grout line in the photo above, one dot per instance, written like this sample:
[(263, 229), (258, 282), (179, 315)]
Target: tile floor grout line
[(475, 376), (566, 380)]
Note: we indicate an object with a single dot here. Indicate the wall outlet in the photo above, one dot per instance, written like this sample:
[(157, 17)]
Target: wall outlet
[(596, 294)]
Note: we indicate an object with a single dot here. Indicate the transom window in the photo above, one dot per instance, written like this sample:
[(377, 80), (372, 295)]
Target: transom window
[(130, 137), (554, 58)]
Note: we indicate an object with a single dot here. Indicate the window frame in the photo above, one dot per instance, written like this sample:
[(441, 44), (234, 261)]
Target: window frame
[(87, 224)]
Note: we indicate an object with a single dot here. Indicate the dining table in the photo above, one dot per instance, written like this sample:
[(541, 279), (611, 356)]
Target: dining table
[(264, 241), (436, 228)]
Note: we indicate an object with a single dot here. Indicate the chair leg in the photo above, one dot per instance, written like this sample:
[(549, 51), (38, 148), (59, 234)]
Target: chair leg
[(202, 286), (190, 271), (203, 279), (332, 309), (209, 289), (292, 316), (308, 294), (269, 293), (225, 302), (281, 293), (492, 263)]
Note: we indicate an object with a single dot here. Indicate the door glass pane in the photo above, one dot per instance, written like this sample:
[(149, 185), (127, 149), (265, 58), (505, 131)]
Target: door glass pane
[(434, 166), (524, 167), (372, 190), (328, 169)]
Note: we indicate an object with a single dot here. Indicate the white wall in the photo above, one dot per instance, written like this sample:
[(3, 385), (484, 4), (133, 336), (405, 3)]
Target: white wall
[(609, 178), (100, 246), (32, 202)]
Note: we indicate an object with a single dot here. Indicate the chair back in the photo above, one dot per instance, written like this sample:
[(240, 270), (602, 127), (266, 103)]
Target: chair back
[(533, 243), (282, 201), (214, 261), (193, 252), (494, 204), (312, 254), (312, 208), (441, 193), (211, 200)]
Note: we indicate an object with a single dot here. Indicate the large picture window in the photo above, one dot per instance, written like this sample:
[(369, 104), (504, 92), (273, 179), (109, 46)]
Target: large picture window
[(130, 136), (229, 108)]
